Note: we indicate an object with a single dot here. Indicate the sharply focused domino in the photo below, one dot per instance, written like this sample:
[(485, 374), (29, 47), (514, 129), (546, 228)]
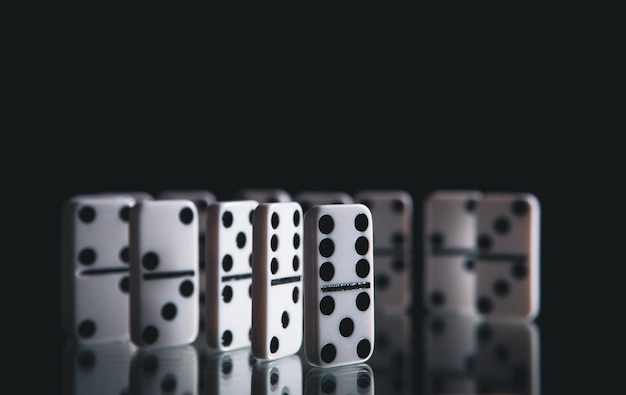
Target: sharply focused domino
[(308, 199), (202, 199), (229, 274), (449, 248), (339, 290), (164, 370), (392, 212), (95, 267), (164, 305), (277, 322), (507, 268)]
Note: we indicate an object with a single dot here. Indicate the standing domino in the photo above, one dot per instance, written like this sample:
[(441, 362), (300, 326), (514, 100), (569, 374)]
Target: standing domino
[(339, 291), (164, 308), (264, 195), (508, 256), (277, 323), (392, 212), (308, 199), (449, 247), (95, 267), (229, 274)]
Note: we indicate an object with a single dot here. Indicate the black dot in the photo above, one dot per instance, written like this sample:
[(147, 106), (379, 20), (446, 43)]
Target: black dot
[(328, 353), (86, 359), (397, 239), (186, 215), (501, 225), (397, 206), (295, 294), (149, 364), (363, 301), (361, 222), (274, 265), (87, 256), (397, 265), (326, 224), (274, 377), (168, 311), (275, 220), (363, 348), (362, 245), (296, 217), (251, 217), (470, 205), (227, 364), (501, 353), (87, 214), (306, 205), (124, 213), (327, 305), (362, 268), (326, 248), (346, 327), (227, 294), (382, 281), (469, 265), (327, 271), (201, 204), (484, 242), (437, 298), (150, 261), (328, 384), (250, 291), (484, 305), (168, 383), (227, 219), (520, 208), (227, 262), (241, 240), (437, 326), (296, 240), (295, 263), (150, 334), (363, 379), (86, 329), (519, 271), (367, 202), (274, 344), (227, 338), (284, 319), (501, 288), (436, 240), (274, 243), (186, 288), (123, 284), (124, 254), (484, 333)]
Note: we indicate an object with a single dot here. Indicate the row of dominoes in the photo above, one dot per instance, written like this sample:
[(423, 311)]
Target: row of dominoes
[(481, 253), (132, 264)]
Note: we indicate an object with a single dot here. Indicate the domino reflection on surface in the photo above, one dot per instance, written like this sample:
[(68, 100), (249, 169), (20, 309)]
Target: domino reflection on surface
[(466, 354)]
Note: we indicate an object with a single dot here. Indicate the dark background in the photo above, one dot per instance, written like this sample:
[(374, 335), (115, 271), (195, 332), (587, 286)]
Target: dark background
[(415, 102)]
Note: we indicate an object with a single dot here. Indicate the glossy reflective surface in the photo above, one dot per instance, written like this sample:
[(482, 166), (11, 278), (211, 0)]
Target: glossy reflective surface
[(443, 354)]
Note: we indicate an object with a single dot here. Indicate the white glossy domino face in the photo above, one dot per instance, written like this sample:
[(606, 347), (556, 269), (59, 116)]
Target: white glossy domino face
[(392, 212), (280, 376), (349, 379), (339, 291), (308, 199), (95, 267), (507, 267), (229, 274), (449, 246), (165, 370), (202, 199), (277, 280), (164, 309)]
